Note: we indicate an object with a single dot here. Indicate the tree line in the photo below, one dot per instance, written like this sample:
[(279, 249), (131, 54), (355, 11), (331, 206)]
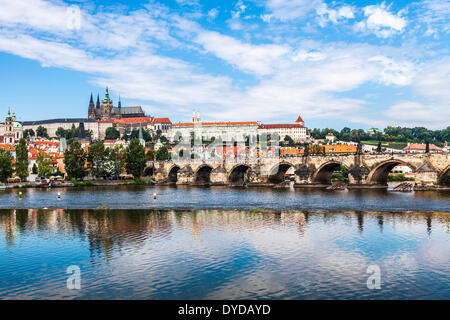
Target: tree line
[(98, 161), (389, 134)]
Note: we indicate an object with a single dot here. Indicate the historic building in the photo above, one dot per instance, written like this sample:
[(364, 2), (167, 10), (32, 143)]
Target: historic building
[(105, 109), (238, 131), (11, 130), (225, 131), (297, 130)]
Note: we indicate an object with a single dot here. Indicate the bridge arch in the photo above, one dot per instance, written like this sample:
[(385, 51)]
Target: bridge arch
[(149, 171), (379, 174), (278, 171), (172, 177), (444, 177), (323, 174), (203, 175), (237, 174)]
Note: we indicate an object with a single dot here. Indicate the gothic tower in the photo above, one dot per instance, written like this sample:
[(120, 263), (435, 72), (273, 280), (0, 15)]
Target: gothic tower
[(106, 107), (97, 105), (91, 113)]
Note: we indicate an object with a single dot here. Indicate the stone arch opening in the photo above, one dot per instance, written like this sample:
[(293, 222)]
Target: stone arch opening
[(148, 172), (278, 173), (324, 173), (173, 174), (237, 175), (444, 179), (380, 174), (203, 175)]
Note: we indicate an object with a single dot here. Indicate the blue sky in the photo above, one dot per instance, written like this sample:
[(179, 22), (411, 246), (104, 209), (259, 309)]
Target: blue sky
[(337, 63)]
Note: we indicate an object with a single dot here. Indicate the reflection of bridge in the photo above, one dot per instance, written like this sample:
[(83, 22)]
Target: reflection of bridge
[(432, 170)]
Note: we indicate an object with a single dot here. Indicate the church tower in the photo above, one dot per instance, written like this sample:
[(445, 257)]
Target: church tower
[(106, 107), (91, 113)]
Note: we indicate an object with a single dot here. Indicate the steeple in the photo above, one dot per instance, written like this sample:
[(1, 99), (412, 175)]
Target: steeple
[(91, 111), (120, 103), (98, 101), (107, 95)]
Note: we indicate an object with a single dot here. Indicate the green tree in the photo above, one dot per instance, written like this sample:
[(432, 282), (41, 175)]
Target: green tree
[(96, 159), (42, 132), (22, 159), (6, 169), (135, 158), (60, 132), (289, 141), (35, 169), (162, 154), (151, 155), (115, 160), (75, 161), (28, 133), (112, 133), (44, 164)]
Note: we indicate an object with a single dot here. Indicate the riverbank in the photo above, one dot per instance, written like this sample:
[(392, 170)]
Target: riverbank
[(336, 185)]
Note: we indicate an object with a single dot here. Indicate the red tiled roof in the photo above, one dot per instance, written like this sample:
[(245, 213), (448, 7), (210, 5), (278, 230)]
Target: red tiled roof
[(133, 120), (190, 124), (299, 119), (421, 146), (7, 147), (162, 120), (276, 126)]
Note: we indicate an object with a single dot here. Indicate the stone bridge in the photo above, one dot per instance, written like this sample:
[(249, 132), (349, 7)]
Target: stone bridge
[(365, 171)]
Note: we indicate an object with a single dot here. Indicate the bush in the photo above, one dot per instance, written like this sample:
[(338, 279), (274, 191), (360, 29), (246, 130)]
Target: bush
[(140, 182), (87, 183), (399, 177)]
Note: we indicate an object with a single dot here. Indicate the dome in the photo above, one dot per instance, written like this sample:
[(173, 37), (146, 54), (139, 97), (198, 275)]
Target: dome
[(17, 125)]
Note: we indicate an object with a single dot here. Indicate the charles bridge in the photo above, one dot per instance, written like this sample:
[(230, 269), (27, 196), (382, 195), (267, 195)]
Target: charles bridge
[(365, 170)]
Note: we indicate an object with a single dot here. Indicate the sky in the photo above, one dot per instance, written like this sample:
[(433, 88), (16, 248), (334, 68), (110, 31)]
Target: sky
[(360, 64)]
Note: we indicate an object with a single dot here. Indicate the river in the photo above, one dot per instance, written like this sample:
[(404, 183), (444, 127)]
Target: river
[(224, 243)]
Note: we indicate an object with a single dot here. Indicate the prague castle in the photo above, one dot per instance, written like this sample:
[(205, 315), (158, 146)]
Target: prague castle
[(106, 110)]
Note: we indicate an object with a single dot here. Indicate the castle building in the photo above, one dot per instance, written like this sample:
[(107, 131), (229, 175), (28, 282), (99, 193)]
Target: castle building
[(297, 130), (105, 109), (238, 131)]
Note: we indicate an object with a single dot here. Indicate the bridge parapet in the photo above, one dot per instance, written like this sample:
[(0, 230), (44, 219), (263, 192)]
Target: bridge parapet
[(367, 170)]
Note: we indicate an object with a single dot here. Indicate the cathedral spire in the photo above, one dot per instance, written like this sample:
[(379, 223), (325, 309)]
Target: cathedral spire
[(120, 103), (98, 102), (107, 94), (92, 100)]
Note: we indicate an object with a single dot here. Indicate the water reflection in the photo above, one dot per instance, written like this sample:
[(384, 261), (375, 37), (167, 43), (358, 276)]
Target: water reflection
[(195, 254)]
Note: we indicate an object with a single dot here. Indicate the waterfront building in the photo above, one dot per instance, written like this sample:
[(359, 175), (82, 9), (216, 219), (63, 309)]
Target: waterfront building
[(163, 124), (340, 148), (297, 130), (97, 128), (225, 131), (421, 148), (237, 131)]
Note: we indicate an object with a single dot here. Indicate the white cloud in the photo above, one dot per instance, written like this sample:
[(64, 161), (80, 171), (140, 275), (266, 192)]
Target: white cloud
[(285, 10), (212, 14), (381, 22), (412, 114), (333, 15), (250, 58), (290, 76)]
